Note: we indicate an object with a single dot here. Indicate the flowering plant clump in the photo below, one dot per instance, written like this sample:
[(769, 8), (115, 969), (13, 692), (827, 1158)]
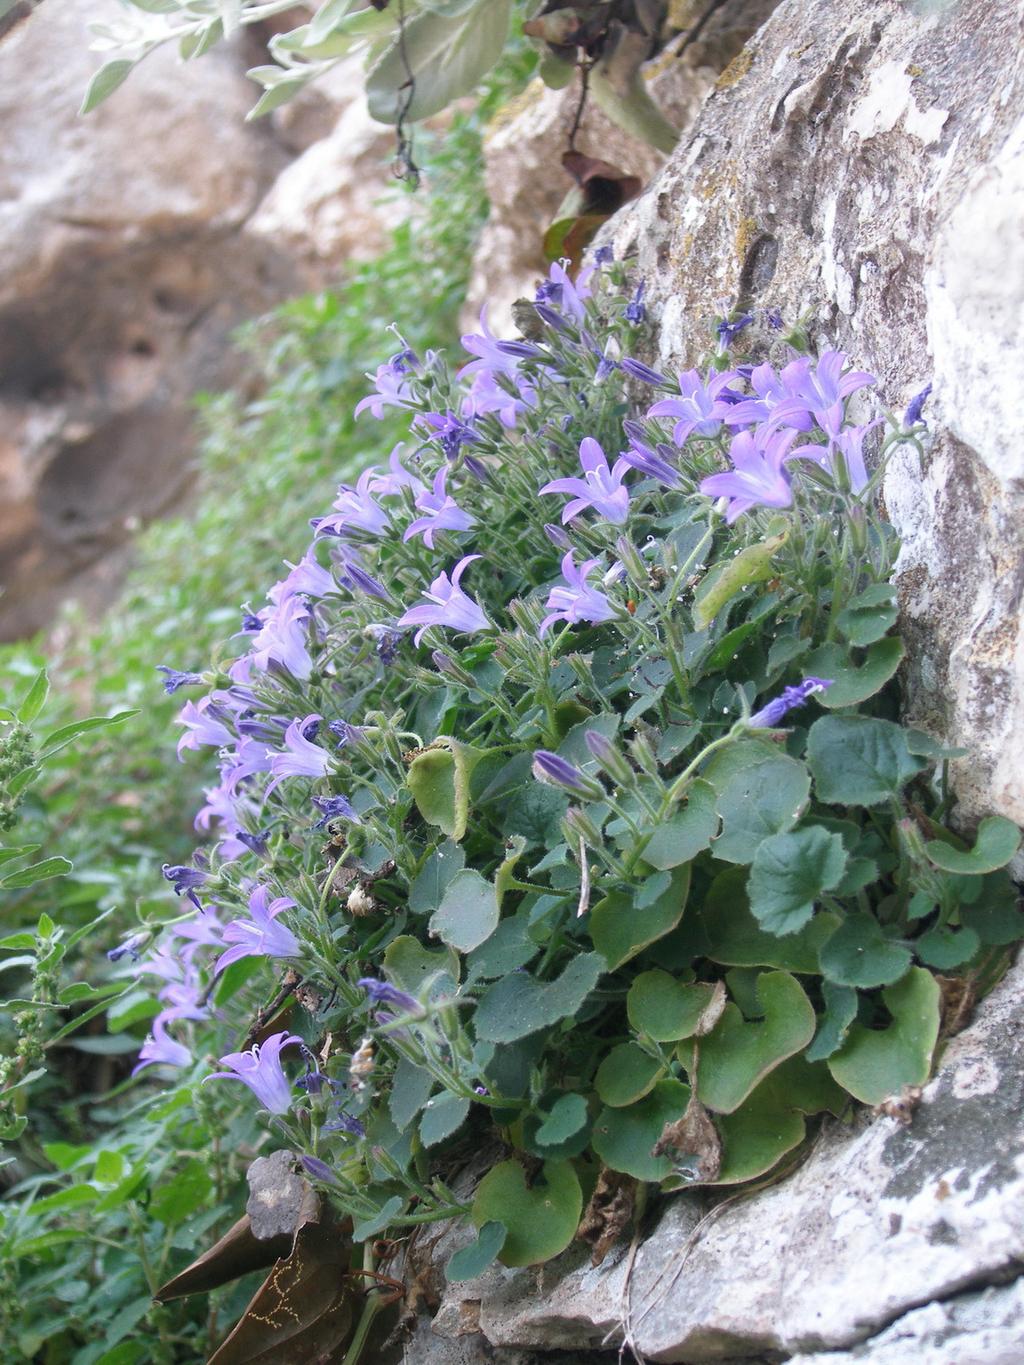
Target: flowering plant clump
[(562, 798)]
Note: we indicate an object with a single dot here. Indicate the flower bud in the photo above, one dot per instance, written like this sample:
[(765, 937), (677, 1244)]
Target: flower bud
[(609, 757)]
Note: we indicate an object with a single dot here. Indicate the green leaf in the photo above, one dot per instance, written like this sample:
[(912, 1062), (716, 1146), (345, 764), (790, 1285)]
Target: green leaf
[(737, 1055), (622, 924), (519, 1005), (442, 1116), (997, 841), (541, 1217), (666, 1009), (788, 875), (722, 583), (852, 683), (472, 1260), (445, 57), (735, 939), (626, 1074), (859, 761), (377, 1222), (190, 1188), (7, 855), (439, 781), (859, 954), (410, 1090), (410, 966), (105, 82), (61, 738), (770, 1122), (764, 798), (840, 1012), (567, 1116), (508, 948), (876, 1063), (469, 913), (943, 948), (869, 615), (18, 941), (64, 1155), (623, 1138), (427, 891), (687, 833), (995, 916), (35, 698), (36, 872), (73, 1197)]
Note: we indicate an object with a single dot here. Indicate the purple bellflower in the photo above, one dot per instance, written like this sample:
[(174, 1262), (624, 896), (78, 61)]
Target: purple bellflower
[(770, 715), (758, 477), (577, 602), (490, 356), (175, 678), (486, 396), (334, 808), (202, 726), (559, 772), (818, 391), (161, 1050), (447, 605), (284, 637), (850, 444), (699, 410), (391, 389), (635, 311), (185, 880), (916, 407), (600, 488), (260, 1069), (638, 370), (261, 935), (383, 993), (449, 430), (441, 512), (356, 509), (397, 477), (656, 463), (558, 290), (301, 757)]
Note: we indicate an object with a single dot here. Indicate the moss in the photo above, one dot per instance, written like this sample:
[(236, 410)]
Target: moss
[(736, 70)]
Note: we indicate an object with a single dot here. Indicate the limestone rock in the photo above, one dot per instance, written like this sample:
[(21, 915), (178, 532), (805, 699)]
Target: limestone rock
[(526, 181), (866, 169), (131, 246), (879, 1220)]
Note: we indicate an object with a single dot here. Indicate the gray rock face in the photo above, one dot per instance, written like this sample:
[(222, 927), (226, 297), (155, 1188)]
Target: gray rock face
[(878, 1220), (863, 164), (131, 245)]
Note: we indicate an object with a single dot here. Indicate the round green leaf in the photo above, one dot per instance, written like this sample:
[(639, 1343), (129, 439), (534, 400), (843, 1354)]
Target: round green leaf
[(869, 615), (758, 801), (567, 1116), (737, 1055), (859, 954), (622, 924), (541, 1218), (666, 1009), (519, 1005), (623, 1138), (876, 1063), (840, 1012), (997, 841), (789, 873), (442, 1116), (626, 1075), (468, 915), (944, 948), (735, 939), (688, 833), (859, 761), (852, 683)]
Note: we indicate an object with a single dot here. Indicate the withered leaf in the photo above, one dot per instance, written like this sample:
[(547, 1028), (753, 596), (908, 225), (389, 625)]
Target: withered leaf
[(692, 1144), (712, 1011), (237, 1253), (608, 1212)]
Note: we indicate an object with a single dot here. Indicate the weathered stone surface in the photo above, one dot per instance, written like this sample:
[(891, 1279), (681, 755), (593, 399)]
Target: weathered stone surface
[(526, 181), (864, 167), (131, 246), (878, 1220)]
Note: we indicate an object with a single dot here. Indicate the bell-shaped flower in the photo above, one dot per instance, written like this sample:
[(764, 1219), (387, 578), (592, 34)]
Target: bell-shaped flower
[(600, 488), (284, 637), (260, 1069), (301, 757), (447, 605), (700, 408), (577, 601), (160, 1049), (203, 725), (758, 477), (818, 391), (441, 512), (356, 509), (391, 389), (261, 935)]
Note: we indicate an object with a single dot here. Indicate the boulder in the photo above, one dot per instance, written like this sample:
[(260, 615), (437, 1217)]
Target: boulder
[(132, 243), (865, 170)]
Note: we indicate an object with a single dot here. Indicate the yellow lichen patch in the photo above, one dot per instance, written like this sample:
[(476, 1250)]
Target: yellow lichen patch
[(796, 52), (747, 232), (526, 99), (912, 69), (736, 70)]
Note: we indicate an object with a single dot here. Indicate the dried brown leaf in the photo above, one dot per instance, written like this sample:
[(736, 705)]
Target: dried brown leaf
[(608, 1212)]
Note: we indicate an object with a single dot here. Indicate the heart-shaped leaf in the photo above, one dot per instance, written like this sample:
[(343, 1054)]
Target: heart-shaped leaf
[(624, 923), (869, 615), (666, 1009), (626, 1074), (858, 760), (541, 1218), (519, 1005), (997, 841), (788, 875), (624, 1138), (737, 1054), (876, 1063), (735, 939), (472, 1260), (853, 683), (757, 801), (687, 833), (859, 954)]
